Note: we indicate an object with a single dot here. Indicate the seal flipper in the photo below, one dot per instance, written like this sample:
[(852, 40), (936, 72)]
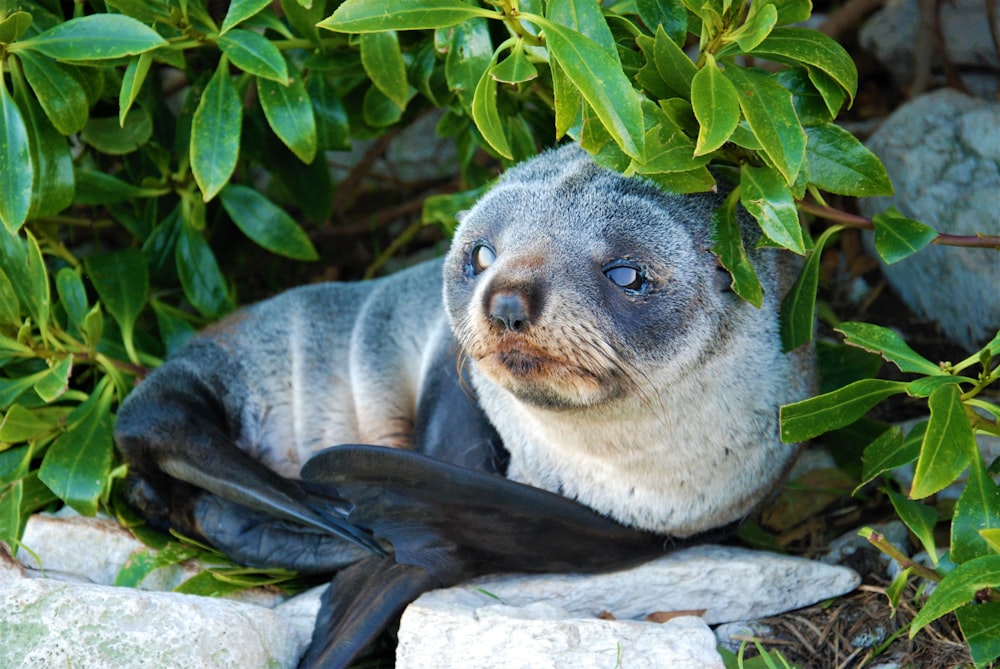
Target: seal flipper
[(360, 602)]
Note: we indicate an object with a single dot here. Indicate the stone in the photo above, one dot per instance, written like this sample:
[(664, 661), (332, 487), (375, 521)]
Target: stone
[(727, 583), (46, 623), (462, 627), (942, 152), (892, 35)]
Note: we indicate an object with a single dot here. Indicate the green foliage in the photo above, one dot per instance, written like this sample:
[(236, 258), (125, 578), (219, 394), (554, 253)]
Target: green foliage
[(134, 136)]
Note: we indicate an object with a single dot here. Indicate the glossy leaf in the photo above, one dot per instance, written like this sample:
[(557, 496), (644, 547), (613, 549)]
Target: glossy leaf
[(60, 94), (812, 417), (585, 17), (727, 245), (948, 445), (12, 388), (94, 37), (289, 113), (303, 18), (715, 105), (487, 116), (760, 21), (601, 82), (121, 279), (255, 54), (568, 103), (21, 424), (266, 224), (674, 66), (21, 261), (10, 306), (889, 451), (889, 345), (16, 170), (199, 273), (798, 308), (791, 11), (215, 133), (669, 149), (99, 188), (958, 588), (77, 464), (898, 237), (977, 510), (175, 330), (135, 75), (52, 177), (839, 163), (766, 196), (383, 61), (925, 386), (470, 53), (56, 382), (14, 25), (795, 45), (361, 16), (329, 114), (108, 135), (241, 10), (72, 295), (379, 111), (768, 110), (919, 518), (981, 628), (666, 14), (515, 68)]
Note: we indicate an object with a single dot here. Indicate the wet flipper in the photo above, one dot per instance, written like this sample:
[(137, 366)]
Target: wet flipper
[(361, 602)]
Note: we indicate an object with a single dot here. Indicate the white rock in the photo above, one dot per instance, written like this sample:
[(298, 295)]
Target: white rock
[(729, 583), (461, 627), (942, 152), (46, 623)]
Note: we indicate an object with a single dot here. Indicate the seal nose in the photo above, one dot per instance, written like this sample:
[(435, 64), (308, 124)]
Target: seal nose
[(510, 311)]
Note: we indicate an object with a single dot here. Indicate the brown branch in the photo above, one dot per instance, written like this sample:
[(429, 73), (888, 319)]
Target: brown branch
[(848, 16), (861, 222)]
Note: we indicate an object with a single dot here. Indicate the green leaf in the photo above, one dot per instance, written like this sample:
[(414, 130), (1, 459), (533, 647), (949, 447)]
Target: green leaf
[(215, 133), (767, 197), (470, 54), (666, 14), (20, 424), (674, 66), (303, 19), (948, 446), (977, 510), (14, 25), (266, 224), (568, 103), (768, 110), (21, 260), (77, 464), (727, 245), (109, 135), (898, 237), (175, 330), (791, 11), (93, 37), (758, 26), (889, 345), (241, 10), (981, 628), (812, 417), (332, 127), (11, 389), (199, 273), (289, 113), (11, 522), (798, 308), (586, 18), (121, 279), (958, 588), (99, 188), (515, 68), (838, 163), (889, 451), (668, 149), (925, 386), (793, 45), (379, 111), (60, 94), (919, 518), (600, 79), (56, 382), (487, 116), (715, 105), (16, 170), (52, 183), (832, 93), (72, 295), (383, 61), (255, 54), (10, 307), (361, 16), (135, 75)]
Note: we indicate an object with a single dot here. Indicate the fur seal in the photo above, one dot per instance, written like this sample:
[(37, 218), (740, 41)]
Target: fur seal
[(579, 339)]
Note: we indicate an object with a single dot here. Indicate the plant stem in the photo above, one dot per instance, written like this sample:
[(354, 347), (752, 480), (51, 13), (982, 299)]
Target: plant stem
[(861, 222), (878, 540)]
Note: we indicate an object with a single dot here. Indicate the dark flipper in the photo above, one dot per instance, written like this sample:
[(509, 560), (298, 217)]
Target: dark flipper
[(362, 600), (447, 524)]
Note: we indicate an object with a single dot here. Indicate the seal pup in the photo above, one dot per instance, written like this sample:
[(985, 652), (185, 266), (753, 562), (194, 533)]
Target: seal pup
[(579, 338)]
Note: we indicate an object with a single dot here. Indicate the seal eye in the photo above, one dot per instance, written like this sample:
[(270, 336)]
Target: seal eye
[(626, 276), (482, 257)]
